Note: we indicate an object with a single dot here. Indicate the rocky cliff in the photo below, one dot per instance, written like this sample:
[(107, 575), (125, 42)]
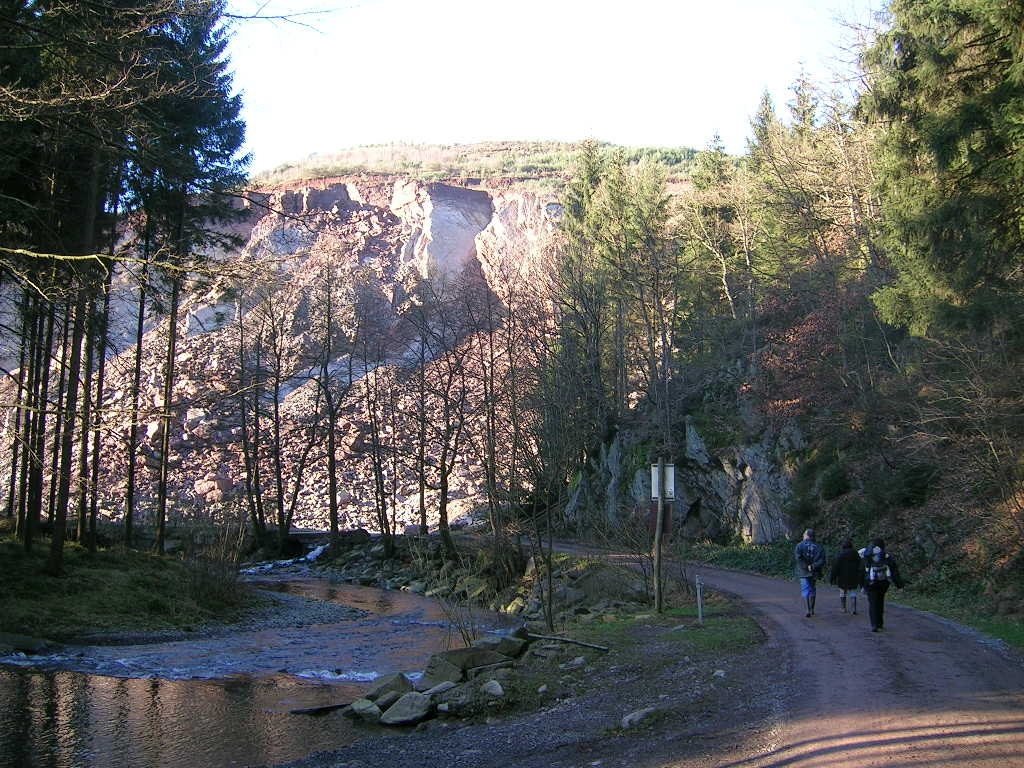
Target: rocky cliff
[(370, 239)]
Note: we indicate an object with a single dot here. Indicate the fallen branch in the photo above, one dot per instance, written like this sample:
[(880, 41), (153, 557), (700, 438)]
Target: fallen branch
[(567, 640)]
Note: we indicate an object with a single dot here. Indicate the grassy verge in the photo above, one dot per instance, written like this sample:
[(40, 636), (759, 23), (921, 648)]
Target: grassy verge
[(111, 591), (955, 597), (724, 629), (639, 645)]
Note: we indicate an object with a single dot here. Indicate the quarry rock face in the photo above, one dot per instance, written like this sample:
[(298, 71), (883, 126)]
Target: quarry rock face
[(440, 224), (296, 202), (513, 248), (369, 238), (365, 241)]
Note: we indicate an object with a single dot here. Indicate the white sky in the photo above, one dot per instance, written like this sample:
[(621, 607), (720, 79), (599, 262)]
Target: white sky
[(636, 72)]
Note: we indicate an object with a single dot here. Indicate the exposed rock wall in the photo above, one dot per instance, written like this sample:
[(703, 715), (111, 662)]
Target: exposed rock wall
[(440, 226), (740, 492), (369, 236)]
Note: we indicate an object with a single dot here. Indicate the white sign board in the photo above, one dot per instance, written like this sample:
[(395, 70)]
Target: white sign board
[(670, 482)]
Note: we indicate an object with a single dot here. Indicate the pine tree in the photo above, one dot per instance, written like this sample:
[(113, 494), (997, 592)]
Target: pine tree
[(185, 165), (92, 92), (583, 303), (945, 81)]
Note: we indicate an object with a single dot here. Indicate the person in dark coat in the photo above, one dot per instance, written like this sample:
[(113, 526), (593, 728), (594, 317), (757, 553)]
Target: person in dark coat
[(880, 570), (847, 574), (810, 562)]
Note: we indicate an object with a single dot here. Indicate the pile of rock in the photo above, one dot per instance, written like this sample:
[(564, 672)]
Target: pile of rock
[(453, 682)]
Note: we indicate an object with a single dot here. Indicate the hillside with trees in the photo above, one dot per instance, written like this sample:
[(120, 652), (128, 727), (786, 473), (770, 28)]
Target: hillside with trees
[(540, 164), (846, 298)]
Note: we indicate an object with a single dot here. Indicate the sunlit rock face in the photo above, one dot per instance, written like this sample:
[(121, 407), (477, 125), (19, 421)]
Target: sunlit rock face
[(370, 238), (515, 247), (365, 240), (440, 224)]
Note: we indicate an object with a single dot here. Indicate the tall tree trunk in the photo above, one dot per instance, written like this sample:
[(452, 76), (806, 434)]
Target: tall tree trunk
[(85, 431), (17, 456), (35, 427), (165, 416), (377, 463), (421, 442), (58, 397), (278, 458), (133, 424), (250, 435), (67, 435), (332, 464), (443, 527), (97, 441)]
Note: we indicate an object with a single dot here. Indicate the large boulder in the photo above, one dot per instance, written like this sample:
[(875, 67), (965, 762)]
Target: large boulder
[(394, 683), (460, 664), (506, 645), (439, 670), (410, 709), (364, 709)]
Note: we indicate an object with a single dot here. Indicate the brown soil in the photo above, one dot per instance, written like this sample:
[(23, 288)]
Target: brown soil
[(823, 691)]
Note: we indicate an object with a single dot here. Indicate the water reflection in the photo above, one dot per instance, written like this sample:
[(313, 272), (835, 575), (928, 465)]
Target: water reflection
[(71, 720), (380, 602), (225, 701)]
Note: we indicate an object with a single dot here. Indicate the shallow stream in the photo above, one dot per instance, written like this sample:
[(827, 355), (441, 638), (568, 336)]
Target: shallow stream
[(223, 701)]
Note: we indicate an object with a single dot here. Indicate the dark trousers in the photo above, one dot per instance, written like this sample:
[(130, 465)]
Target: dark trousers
[(876, 603)]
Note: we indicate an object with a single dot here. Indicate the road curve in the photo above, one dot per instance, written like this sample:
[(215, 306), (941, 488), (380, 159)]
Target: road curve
[(924, 692)]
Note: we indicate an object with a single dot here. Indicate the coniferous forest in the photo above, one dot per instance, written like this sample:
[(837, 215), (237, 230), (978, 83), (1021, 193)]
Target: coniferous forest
[(858, 271)]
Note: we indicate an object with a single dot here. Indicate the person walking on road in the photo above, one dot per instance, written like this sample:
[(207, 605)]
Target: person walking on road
[(810, 561), (847, 574), (880, 570)]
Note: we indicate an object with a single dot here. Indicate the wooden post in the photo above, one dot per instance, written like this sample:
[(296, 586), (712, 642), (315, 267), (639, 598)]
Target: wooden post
[(659, 599)]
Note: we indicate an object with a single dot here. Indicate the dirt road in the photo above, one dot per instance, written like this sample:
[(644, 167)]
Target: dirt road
[(923, 692), (822, 692)]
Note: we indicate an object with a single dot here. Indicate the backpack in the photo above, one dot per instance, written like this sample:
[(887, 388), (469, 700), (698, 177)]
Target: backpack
[(876, 568)]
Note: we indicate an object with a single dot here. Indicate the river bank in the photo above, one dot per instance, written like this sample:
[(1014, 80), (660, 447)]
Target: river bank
[(557, 696)]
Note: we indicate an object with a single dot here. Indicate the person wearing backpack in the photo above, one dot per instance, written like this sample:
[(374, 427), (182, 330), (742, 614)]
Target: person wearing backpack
[(810, 560), (846, 573), (880, 570)]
